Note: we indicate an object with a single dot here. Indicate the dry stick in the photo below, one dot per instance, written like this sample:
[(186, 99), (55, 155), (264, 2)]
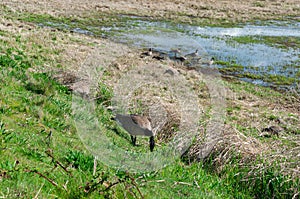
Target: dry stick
[(295, 196), (128, 187), (45, 177), (95, 166), (133, 194), (184, 183), (94, 186), (135, 185), (158, 181), (195, 181), (113, 184), (57, 162), (65, 186), (37, 194)]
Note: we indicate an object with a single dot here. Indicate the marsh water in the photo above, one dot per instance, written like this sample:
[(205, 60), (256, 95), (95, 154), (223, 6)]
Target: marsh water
[(246, 49), (226, 45)]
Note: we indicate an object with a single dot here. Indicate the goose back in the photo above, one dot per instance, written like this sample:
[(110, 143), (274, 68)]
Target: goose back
[(135, 124)]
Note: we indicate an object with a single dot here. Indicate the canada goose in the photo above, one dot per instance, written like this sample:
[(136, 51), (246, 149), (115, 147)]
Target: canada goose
[(147, 53), (158, 57), (212, 60), (181, 58), (208, 63), (273, 130), (175, 51), (194, 54), (137, 125)]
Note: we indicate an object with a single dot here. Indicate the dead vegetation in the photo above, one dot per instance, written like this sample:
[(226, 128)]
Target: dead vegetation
[(186, 11)]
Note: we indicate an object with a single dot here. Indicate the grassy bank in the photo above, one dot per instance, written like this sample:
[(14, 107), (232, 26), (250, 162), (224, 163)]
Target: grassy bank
[(42, 156)]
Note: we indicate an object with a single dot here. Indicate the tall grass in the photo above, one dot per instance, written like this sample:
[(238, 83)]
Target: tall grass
[(257, 178)]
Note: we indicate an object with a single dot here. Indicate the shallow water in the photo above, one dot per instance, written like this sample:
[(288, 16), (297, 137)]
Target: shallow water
[(257, 58), (251, 30), (273, 28)]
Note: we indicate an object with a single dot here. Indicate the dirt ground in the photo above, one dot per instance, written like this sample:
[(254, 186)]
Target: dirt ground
[(228, 10)]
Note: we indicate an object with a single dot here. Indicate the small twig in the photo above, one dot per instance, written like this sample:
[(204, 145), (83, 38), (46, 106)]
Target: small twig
[(295, 196), (195, 181), (45, 177), (184, 183), (48, 152), (95, 166), (93, 187), (132, 193), (37, 194), (153, 181), (113, 184), (136, 186), (65, 186)]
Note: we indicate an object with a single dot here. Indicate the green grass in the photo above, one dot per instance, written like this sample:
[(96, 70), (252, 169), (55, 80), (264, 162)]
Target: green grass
[(191, 181), (279, 42), (266, 181), (42, 155), (231, 68)]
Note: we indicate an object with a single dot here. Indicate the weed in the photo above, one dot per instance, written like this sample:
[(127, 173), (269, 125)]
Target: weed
[(279, 42), (78, 160), (104, 94)]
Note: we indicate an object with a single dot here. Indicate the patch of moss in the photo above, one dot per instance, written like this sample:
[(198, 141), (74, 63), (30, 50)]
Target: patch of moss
[(250, 75), (279, 42), (229, 67), (279, 79)]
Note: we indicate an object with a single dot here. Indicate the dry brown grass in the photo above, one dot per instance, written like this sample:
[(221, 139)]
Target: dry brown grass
[(230, 10)]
